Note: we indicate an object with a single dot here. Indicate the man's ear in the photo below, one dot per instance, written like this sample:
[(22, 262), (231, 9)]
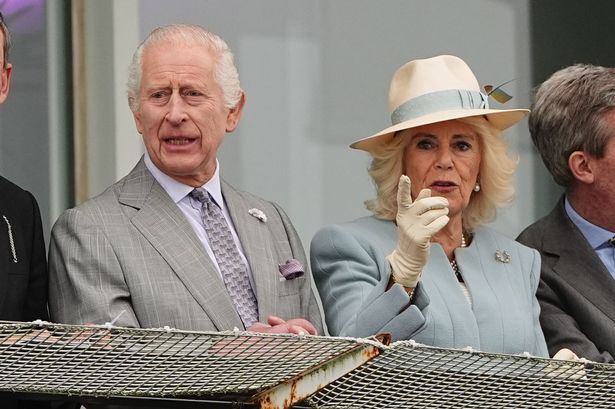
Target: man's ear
[(5, 77), (136, 114), (234, 115), (580, 164), (137, 117)]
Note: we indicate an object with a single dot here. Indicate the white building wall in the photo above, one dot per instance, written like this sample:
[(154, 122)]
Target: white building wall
[(317, 73)]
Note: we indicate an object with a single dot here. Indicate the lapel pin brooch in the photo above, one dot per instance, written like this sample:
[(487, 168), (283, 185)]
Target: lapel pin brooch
[(502, 256), (291, 269), (259, 214)]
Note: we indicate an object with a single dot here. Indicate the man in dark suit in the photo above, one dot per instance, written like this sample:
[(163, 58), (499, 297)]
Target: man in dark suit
[(173, 244), (23, 266), (573, 127)]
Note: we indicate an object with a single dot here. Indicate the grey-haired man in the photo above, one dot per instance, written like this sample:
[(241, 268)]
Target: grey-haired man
[(573, 127)]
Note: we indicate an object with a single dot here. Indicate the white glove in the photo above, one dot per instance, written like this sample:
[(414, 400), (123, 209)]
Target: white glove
[(417, 222)]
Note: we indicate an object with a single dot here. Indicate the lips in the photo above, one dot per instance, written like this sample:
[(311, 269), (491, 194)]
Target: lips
[(443, 183), (178, 140)]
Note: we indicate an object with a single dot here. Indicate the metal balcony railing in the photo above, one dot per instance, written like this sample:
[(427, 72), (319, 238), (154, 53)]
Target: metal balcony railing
[(167, 367)]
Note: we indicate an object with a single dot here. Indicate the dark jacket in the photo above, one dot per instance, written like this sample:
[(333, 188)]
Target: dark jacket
[(23, 266), (576, 291)]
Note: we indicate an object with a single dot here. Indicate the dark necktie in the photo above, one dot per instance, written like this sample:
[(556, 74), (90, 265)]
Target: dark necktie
[(234, 271)]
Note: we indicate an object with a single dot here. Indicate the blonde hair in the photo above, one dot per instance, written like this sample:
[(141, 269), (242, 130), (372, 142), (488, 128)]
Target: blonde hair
[(495, 176)]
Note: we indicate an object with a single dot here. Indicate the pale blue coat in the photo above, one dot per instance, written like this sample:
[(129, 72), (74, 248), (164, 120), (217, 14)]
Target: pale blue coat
[(351, 272)]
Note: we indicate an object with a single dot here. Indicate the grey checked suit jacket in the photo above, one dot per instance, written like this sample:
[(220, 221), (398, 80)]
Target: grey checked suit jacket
[(576, 291), (131, 248)]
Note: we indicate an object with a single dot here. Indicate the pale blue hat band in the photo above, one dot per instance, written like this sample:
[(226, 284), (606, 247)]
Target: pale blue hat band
[(437, 102)]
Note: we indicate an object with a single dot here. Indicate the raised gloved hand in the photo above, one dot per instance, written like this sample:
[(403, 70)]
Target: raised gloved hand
[(417, 222)]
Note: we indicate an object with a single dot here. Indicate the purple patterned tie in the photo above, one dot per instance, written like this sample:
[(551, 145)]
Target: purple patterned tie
[(234, 271)]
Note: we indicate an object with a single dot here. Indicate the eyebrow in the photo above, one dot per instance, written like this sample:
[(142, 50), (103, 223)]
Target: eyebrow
[(431, 135)]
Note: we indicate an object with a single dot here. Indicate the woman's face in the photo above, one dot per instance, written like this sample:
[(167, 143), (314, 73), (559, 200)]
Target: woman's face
[(444, 157)]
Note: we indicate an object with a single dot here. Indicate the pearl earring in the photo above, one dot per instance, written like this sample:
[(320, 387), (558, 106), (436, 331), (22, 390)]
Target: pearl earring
[(477, 187)]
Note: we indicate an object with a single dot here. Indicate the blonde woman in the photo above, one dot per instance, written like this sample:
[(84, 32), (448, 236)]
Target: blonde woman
[(424, 266)]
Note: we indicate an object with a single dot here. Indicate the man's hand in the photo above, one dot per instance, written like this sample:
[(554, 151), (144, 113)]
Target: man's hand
[(565, 354), (417, 222), (574, 370), (276, 325), (257, 346)]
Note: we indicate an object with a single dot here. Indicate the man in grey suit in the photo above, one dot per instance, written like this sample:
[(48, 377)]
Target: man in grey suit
[(573, 127), (148, 249)]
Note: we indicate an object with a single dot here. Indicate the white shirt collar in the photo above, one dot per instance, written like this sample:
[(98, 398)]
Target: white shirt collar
[(177, 190)]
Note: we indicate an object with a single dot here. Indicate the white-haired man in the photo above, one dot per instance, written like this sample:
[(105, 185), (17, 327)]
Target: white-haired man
[(171, 244)]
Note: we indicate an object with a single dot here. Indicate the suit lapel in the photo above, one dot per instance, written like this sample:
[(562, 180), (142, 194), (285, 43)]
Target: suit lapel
[(578, 263), (6, 260), (165, 227), (258, 249)]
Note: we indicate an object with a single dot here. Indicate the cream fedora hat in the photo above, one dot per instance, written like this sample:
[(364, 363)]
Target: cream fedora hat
[(434, 90)]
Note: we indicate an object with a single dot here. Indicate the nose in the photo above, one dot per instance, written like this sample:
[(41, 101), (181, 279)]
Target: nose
[(177, 110), (444, 159)]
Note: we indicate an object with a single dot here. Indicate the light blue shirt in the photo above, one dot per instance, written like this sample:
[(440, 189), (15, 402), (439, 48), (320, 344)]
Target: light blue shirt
[(191, 208), (596, 236)]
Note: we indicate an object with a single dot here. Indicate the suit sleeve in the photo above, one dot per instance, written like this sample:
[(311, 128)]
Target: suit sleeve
[(309, 303), (540, 345), (352, 279), (560, 328), (86, 282), (35, 306)]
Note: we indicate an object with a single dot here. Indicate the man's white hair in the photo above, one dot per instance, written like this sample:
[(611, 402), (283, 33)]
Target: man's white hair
[(225, 72)]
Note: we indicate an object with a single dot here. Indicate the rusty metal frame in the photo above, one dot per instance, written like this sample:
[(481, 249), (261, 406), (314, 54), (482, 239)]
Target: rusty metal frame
[(294, 390)]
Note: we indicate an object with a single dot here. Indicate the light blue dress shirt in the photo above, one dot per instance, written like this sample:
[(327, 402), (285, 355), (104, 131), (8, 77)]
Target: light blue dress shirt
[(596, 236)]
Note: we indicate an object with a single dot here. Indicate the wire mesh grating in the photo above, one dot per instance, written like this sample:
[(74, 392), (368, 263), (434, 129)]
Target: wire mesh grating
[(111, 361), (407, 375), (101, 361)]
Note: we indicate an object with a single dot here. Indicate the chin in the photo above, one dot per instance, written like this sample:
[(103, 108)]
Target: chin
[(176, 169)]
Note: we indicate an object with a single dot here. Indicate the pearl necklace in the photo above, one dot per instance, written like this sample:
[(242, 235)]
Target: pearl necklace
[(453, 262)]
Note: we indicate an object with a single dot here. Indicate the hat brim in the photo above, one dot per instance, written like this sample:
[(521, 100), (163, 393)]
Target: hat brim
[(500, 118)]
